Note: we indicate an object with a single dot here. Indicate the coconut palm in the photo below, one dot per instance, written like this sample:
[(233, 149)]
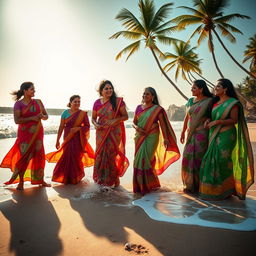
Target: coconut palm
[(209, 15), (149, 29), (250, 54), (185, 60)]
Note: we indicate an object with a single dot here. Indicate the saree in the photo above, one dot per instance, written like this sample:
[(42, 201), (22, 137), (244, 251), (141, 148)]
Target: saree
[(110, 160), (75, 152), (26, 157), (227, 167), (196, 143), (151, 157)]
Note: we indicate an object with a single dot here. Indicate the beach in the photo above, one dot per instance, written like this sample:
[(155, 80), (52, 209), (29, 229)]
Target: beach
[(84, 220)]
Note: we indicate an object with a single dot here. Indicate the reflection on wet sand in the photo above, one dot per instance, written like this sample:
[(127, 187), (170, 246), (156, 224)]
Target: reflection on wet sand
[(185, 209)]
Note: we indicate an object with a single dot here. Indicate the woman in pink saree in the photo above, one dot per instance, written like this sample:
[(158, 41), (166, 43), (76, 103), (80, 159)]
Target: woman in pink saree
[(26, 157), (108, 116), (75, 152)]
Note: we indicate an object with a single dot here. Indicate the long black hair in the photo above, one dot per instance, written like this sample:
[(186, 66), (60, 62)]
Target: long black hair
[(154, 94), (201, 84), (18, 94), (113, 97), (230, 92)]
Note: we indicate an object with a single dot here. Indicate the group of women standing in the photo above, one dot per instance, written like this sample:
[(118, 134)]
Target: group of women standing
[(217, 159)]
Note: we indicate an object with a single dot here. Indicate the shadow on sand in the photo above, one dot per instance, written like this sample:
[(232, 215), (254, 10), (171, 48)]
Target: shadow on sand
[(40, 220)]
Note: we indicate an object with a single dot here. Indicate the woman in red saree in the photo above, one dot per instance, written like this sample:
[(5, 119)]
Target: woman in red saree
[(108, 116), (155, 149), (75, 152), (26, 157)]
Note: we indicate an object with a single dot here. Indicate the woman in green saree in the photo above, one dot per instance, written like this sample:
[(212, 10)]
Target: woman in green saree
[(227, 167), (155, 149), (197, 135)]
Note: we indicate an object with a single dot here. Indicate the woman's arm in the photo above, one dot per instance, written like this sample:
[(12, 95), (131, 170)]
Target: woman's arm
[(185, 126), (22, 120), (232, 120), (136, 127), (60, 130), (94, 120), (44, 113), (121, 118)]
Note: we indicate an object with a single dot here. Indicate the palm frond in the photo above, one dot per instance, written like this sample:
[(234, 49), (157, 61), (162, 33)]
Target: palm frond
[(130, 21), (231, 17), (168, 30), (127, 34), (161, 15), (166, 40), (130, 48), (147, 10), (226, 34)]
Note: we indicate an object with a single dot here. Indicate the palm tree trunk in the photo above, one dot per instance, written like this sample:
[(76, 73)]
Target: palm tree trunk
[(231, 56), (211, 85), (172, 83), (213, 55), (245, 98)]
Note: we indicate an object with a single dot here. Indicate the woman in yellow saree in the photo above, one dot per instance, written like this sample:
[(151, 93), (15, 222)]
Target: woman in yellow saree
[(227, 167), (75, 152), (26, 157), (155, 149), (108, 116)]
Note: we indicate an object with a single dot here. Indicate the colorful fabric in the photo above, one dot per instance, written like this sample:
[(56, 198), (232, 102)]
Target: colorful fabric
[(151, 156), (227, 167), (26, 157), (110, 160), (75, 153), (196, 143)]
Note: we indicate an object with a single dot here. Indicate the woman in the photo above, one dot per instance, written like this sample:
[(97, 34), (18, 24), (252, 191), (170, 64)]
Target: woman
[(26, 157), (155, 149), (75, 152), (227, 167), (197, 135), (108, 116)]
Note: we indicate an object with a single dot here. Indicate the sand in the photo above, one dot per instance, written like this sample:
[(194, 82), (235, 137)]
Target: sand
[(82, 220)]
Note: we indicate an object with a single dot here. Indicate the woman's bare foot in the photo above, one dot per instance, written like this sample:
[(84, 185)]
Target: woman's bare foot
[(44, 184), (20, 186)]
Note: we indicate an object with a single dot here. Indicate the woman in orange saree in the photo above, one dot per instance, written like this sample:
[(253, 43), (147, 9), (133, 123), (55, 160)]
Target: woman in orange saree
[(108, 116), (155, 149), (26, 157), (75, 152)]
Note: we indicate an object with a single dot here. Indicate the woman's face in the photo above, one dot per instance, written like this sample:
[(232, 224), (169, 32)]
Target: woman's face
[(147, 97), (107, 91), (196, 91), (75, 103), (219, 90), (30, 92)]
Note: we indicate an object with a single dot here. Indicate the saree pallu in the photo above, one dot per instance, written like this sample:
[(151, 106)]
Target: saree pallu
[(227, 167), (75, 152), (26, 157), (110, 160), (151, 157), (196, 144)]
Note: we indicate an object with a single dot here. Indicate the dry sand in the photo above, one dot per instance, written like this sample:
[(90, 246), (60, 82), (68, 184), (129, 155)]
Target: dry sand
[(63, 220)]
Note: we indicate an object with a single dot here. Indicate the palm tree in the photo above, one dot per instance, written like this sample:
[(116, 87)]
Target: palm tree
[(185, 60), (250, 54), (148, 29), (209, 15)]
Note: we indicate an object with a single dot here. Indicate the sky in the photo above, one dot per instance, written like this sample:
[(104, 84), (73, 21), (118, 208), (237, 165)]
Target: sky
[(63, 46)]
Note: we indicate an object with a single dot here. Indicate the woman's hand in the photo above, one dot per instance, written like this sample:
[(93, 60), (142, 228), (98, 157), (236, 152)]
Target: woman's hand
[(139, 130), (182, 137), (57, 145), (166, 143), (110, 122), (213, 123), (207, 121)]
